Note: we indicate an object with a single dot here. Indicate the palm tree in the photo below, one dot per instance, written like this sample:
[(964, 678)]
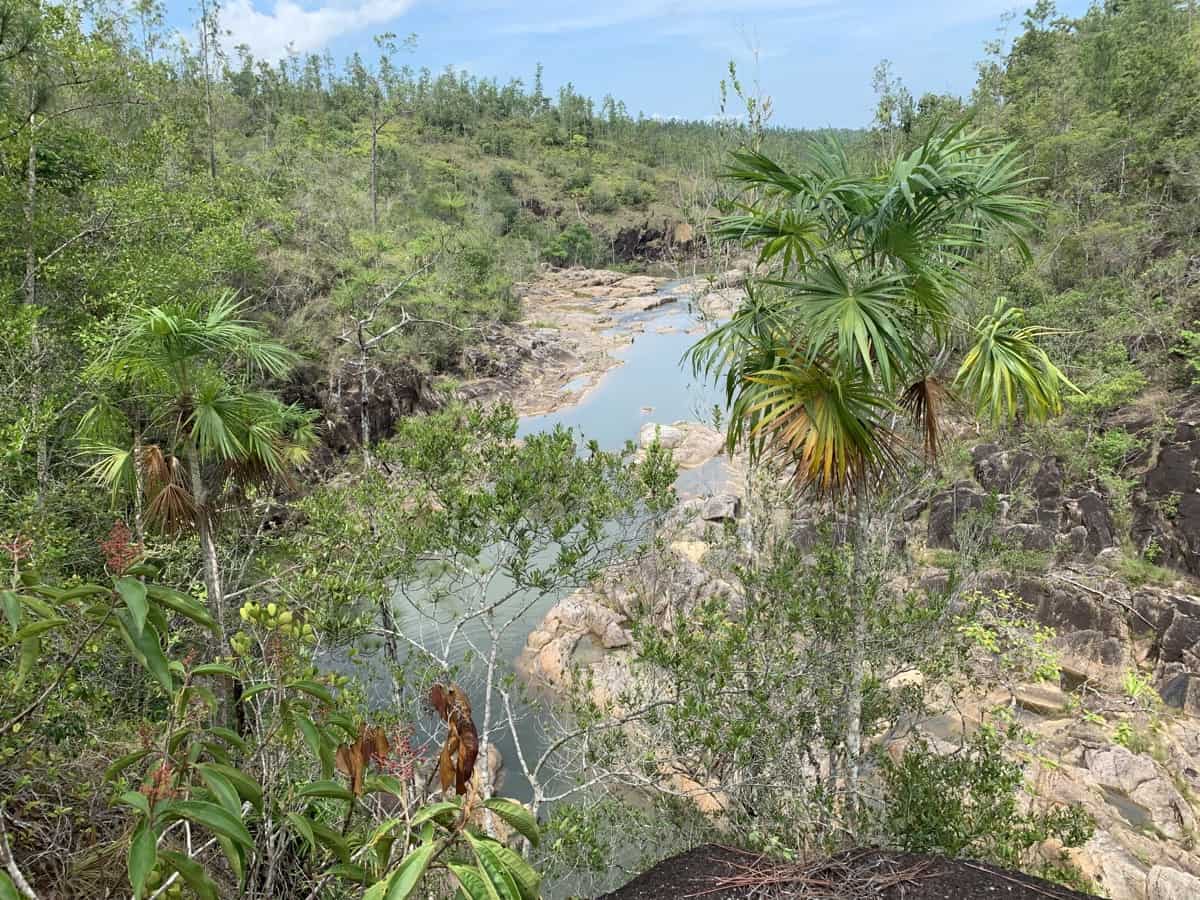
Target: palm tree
[(840, 347), (178, 424)]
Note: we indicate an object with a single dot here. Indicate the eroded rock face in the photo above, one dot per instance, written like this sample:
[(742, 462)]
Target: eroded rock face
[(1167, 507), (1170, 884)]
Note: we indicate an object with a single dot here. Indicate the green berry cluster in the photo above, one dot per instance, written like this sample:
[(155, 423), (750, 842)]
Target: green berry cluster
[(272, 617)]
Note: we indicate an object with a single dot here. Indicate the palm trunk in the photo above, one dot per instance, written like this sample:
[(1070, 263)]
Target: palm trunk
[(213, 584), (139, 487), (364, 409)]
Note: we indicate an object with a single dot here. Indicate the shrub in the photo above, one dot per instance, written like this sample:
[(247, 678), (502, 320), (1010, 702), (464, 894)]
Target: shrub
[(967, 804)]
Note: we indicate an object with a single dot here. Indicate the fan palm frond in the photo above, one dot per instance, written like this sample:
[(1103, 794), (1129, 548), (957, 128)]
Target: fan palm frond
[(1007, 372)]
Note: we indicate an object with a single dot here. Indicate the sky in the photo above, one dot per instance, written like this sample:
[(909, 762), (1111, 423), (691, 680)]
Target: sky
[(662, 57)]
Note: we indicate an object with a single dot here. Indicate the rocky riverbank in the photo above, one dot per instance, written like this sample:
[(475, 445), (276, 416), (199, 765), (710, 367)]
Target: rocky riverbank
[(1117, 735), (573, 320)]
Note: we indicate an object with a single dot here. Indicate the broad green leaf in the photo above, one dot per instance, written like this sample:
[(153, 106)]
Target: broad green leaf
[(435, 811), (122, 763), (386, 784), (528, 881), (235, 852), (229, 736), (142, 854), (133, 592), (12, 609), (33, 629), (213, 817), (497, 874), (348, 872), (376, 891), (215, 669), (517, 815), (330, 839), (312, 735), (221, 789), (313, 689), (192, 873), (8, 890), (304, 828), (471, 884), (247, 788), (254, 690), (408, 874), (31, 648), (181, 603), (328, 789), (137, 800)]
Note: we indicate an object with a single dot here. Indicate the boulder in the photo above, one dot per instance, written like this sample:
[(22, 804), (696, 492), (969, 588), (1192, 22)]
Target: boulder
[(722, 508), (1042, 699), (999, 471), (1118, 769), (947, 509), (669, 436), (615, 637), (1091, 512), (700, 444), (1028, 537)]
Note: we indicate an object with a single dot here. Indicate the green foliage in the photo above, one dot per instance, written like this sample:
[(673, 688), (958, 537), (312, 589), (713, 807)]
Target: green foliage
[(865, 291), (967, 804)]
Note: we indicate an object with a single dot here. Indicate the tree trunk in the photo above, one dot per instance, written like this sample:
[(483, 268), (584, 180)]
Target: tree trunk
[(364, 410), (31, 299), (139, 487), (374, 160), (858, 660), (205, 36)]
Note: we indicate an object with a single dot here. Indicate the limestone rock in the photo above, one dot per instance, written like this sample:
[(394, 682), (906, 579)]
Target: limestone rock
[(722, 508), (615, 637), (1170, 884)]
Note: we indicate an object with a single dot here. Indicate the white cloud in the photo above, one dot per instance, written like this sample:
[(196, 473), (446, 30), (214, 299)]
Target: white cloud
[(289, 26), (630, 11)]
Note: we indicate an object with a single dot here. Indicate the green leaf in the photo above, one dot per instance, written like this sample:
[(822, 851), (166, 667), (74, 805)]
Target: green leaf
[(143, 851), (312, 735), (236, 854), (12, 609), (408, 874), (133, 592), (528, 881), (376, 891), (183, 604), (229, 736), (434, 811), (30, 650), (348, 872), (122, 763), (247, 788), (254, 690), (472, 884), (137, 800), (222, 790), (345, 723), (8, 890), (215, 669), (213, 817), (329, 838), (328, 789), (192, 873), (497, 875), (517, 815), (313, 689), (383, 784), (304, 828), (33, 629)]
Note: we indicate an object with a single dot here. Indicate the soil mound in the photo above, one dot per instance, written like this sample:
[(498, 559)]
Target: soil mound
[(713, 872)]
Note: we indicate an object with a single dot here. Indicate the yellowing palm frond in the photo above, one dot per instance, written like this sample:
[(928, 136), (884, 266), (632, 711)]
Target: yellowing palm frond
[(1007, 372)]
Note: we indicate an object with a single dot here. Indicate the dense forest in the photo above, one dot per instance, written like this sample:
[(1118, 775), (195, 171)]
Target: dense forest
[(268, 571)]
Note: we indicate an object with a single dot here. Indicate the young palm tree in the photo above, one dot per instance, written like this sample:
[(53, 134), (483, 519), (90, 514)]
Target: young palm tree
[(185, 426), (840, 348)]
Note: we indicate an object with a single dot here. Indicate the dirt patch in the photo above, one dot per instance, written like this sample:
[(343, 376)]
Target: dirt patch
[(723, 873)]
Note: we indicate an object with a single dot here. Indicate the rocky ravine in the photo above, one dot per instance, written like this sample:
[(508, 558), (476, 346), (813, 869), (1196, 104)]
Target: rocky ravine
[(1132, 761), (573, 320)]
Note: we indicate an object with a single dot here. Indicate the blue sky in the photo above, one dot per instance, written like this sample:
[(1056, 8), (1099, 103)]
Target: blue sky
[(662, 57)]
